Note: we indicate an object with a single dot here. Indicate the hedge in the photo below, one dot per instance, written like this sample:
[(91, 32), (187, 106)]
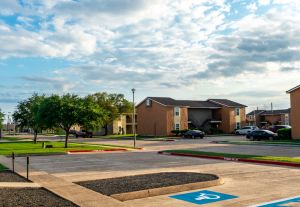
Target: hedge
[(284, 133), (179, 132)]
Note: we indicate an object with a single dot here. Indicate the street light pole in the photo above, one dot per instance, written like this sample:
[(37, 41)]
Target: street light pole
[(133, 118)]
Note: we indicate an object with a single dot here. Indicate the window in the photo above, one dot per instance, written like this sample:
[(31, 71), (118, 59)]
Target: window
[(177, 126), (177, 111), (250, 117), (237, 111), (148, 102), (238, 125)]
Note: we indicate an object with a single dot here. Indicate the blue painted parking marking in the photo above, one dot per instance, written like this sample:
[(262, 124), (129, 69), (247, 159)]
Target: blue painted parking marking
[(203, 197), (287, 202)]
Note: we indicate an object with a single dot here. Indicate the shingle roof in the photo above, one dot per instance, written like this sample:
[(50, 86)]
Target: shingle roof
[(293, 89), (274, 112), (198, 104), (226, 102), (256, 112), (165, 101), (191, 103)]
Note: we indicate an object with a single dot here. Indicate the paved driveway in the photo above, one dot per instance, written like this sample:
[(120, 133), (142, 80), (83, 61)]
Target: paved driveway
[(252, 183)]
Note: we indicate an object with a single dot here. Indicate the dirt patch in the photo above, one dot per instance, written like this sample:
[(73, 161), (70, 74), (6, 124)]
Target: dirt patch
[(31, 197), (9, 176), (144, 182)]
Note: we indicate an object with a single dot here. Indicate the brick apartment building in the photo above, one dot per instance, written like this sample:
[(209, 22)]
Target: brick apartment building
[(295, 111), (158, 116), (262, 118)]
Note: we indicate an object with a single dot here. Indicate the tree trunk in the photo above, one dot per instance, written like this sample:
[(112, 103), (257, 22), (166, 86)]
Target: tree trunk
[(67, 138), (106, 129), (0, 133), (35, 132)]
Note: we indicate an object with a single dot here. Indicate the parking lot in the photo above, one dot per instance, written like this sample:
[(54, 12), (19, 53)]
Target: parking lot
[(250, 184)]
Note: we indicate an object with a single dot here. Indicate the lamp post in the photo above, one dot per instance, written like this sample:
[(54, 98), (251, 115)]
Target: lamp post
[(133, 118)]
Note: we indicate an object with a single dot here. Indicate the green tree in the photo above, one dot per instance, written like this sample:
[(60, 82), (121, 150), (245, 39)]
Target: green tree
[(113, 104), (27, 114), (69, 110), (1, 122)]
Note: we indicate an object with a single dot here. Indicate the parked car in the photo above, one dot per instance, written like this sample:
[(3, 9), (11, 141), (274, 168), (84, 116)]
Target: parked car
[(262, 134), (246, 130), (194, 134), (275, 128), (82, 133)]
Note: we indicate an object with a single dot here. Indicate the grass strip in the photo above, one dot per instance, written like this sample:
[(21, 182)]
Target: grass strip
[(278, 142), (19, 148), (2, 167), (244, 156)]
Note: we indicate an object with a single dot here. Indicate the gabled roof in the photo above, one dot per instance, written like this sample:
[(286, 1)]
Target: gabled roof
[(226, 102), (256, 112), (276, 112), (166, 101), (198, 104), (270, 112), (293, 89)]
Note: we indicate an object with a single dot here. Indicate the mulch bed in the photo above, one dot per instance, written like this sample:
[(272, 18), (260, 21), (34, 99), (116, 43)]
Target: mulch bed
[(31, 197), (143, 182), (9, 176)]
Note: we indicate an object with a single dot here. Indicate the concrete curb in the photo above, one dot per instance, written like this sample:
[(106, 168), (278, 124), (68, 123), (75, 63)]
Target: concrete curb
[(166, 190), (18, 185), (88, 151), (270, 162)]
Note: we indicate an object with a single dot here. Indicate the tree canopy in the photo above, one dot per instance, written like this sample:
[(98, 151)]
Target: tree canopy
[(65, 111), (113, 104), (27, 114)]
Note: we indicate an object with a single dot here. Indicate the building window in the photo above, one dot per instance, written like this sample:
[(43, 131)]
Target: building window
[(237, 111), (177, 126), (250, 117), (148, 102), (238, 125), (177, 111)]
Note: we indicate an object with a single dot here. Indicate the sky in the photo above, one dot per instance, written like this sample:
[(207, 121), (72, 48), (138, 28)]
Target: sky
[(244, 50)]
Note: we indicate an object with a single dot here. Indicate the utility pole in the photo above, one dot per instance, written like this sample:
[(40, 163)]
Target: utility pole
[(133, 118)]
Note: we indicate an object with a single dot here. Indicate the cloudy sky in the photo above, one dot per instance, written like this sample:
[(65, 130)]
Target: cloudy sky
[(244, 50)]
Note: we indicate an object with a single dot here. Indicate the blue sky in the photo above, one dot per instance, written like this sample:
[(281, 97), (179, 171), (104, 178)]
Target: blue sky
[(244, 50)]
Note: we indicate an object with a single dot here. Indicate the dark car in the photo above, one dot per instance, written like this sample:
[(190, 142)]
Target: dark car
[(275, 128), (194, 134), (83, 133), (261, 134)]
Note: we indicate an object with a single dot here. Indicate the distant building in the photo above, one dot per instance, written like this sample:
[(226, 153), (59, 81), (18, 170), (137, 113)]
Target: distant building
[(262, 118), (158, 116), (295, 111)]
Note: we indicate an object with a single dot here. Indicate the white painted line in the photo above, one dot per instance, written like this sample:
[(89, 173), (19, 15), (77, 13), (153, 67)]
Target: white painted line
[(277, 201)]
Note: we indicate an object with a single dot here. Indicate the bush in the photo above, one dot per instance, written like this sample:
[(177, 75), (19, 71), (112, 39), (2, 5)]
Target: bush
[(178, 132), (284, 133), (215, 131)]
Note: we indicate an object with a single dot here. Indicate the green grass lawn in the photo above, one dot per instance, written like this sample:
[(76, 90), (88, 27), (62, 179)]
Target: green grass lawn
[(229, 155), (6, 148), (275, 142), (2, 167)]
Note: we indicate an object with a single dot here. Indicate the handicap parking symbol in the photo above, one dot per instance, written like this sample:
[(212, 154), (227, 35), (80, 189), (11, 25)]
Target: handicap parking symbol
[(203, 197)]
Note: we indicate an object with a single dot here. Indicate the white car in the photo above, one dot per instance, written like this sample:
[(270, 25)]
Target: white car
[(246, 130)]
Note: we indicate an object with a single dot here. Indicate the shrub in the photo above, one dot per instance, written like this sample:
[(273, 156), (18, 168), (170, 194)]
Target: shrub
[(178, 132), (215, 131), (284, 133)]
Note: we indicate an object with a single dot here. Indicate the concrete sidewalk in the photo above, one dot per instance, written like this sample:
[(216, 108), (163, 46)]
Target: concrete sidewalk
[(79, 195)]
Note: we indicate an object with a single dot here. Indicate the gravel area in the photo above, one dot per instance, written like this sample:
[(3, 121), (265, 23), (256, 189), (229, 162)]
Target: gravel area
[(142, 182), (31, 197), (9, 176)]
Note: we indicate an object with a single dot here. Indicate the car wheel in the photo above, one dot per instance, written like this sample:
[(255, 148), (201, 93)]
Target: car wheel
[(251, 138), (271, 138), (237, 133)]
